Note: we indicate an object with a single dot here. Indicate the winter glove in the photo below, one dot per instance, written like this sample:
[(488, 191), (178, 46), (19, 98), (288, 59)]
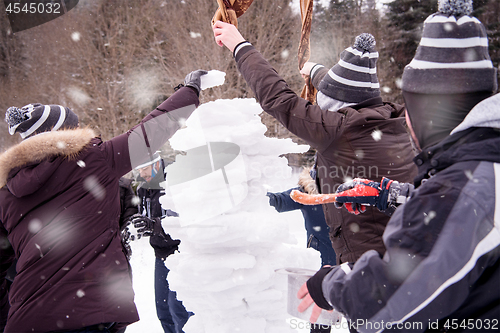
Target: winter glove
[(193, 80), (170, 212), (161, 242), (126, 238), (143, 226), (359, 193)]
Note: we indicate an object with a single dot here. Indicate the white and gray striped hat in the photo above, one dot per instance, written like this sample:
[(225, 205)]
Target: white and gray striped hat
[(354, 78), (452, 56), (36, 118)]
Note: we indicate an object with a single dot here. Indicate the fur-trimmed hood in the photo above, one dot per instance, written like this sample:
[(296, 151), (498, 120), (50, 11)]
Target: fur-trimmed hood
[(307, 183), (67, 143)]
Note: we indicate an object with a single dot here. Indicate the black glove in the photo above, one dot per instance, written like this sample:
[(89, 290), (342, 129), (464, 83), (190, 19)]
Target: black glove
[(193, 80), (161, 242), (144, 226), (126, 238)]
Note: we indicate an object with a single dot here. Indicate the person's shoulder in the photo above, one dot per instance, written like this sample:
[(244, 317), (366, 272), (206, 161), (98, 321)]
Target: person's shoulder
[(398, 110), (125, 182)]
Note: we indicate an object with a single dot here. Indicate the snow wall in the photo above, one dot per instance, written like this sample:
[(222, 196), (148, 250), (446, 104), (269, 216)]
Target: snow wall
[(232, 241)]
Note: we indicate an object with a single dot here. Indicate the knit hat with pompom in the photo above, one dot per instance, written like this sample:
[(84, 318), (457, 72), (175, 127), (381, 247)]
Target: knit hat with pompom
[(452, 57), (354, 78), (37, 118)]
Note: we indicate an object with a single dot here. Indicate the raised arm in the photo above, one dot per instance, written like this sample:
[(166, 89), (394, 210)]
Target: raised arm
[(138, 145), (317, 127)]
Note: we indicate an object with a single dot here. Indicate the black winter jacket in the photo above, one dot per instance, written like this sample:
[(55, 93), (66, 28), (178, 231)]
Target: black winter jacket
[(442, 265)]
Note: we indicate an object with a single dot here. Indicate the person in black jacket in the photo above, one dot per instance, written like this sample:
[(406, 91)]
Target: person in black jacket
[(171, 312)]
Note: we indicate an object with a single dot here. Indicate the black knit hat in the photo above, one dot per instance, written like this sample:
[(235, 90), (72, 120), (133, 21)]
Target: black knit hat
[(452, 57), (37, 118), (354, 78)]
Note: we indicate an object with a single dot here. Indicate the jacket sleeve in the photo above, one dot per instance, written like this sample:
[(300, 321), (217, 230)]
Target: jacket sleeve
[(6, 260), (317, 127), (127, 205), (439, 244), (133, 148), (318, 75), (282, 201)]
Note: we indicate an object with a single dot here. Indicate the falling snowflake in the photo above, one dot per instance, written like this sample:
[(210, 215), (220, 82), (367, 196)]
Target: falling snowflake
[(448, 27), (76, 36), (92, 185), (354, 227), (80, 293), (194, 34), (34, 226), (81, 164), (429, 217), (470, 176), (399, 82), (136, 200), (39, 249), (377, 135), (347, 179), (78, 95), (182, 122), (61, 144), (360, 154)]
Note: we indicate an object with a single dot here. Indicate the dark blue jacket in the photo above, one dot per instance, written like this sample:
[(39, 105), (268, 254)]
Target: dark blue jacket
[(314, 218)]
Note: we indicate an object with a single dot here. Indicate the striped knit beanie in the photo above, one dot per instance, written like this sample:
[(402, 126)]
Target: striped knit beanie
[(354, 78), (452, 56), (37, 118)]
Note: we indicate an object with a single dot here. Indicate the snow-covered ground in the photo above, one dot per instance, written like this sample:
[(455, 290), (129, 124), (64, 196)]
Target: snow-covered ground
[(231, 248)]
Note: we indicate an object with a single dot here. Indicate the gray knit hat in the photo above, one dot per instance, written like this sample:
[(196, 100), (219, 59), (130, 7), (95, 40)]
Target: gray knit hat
[(354, 78), (452, 56), (37, 118)]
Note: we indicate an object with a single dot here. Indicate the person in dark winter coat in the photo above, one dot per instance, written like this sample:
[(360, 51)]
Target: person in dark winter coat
[(441, 271), (60, 209), (128, 209), (171, 312), (354, 132)]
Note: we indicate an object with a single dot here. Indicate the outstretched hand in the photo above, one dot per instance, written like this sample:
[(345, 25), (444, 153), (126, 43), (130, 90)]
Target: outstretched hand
[(306, 302), (226, 34), (193, 80), (305, 71)]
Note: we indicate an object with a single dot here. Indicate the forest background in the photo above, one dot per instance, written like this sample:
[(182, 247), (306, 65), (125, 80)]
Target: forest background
[(113, 61)]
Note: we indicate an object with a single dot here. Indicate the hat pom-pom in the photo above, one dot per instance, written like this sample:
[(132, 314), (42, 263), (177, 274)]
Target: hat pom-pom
[(455, 7), (14, 116), (365, 41)]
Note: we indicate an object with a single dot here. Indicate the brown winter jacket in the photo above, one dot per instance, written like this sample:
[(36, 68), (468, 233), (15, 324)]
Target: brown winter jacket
[(367, 140), (60, 207)]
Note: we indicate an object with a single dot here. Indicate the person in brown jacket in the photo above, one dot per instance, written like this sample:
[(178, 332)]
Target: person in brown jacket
[(355, 133), (60, 210)]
